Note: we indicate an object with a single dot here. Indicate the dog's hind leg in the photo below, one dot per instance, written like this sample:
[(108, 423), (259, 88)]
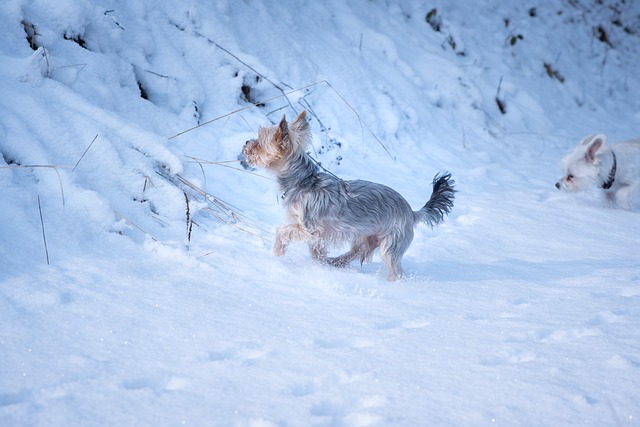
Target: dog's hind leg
[(392, 248), (371, 244), (362, 249), (318, 250), (344, 259)]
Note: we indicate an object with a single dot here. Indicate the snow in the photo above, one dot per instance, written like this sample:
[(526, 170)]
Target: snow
[(522, 309)]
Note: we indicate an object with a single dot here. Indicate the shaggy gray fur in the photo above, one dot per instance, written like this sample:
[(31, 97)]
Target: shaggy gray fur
[(326, 210)]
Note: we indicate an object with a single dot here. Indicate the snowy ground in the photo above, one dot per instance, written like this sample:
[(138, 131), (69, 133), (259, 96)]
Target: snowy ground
[(522, 309)]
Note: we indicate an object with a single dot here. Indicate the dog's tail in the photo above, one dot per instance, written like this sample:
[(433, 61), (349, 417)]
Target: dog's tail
[(440, 202)]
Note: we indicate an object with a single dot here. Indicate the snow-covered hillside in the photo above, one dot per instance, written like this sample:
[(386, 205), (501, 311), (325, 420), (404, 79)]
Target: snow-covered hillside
[(137, 285)]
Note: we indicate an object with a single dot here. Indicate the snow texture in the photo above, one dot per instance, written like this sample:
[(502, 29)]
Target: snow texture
[(137, 284)]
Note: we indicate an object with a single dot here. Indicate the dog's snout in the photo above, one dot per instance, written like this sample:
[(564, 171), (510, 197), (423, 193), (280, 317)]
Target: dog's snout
[(558, 185)]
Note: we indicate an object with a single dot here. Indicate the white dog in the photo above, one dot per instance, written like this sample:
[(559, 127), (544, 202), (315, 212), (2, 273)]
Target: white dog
[(615, 169)]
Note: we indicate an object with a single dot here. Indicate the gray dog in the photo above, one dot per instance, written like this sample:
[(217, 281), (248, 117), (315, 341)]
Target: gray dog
[(324, 209)]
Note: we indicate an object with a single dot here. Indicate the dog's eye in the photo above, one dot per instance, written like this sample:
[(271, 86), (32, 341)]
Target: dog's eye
[(569, 177)]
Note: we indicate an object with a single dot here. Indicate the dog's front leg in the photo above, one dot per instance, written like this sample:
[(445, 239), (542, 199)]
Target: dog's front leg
[(318, 250), (624, 197), (287, 233)]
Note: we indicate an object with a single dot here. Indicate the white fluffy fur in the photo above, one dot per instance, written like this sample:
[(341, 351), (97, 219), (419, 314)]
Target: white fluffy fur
[(591, 164)]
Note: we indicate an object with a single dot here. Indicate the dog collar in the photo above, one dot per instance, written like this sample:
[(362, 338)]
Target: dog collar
[(612, 173)]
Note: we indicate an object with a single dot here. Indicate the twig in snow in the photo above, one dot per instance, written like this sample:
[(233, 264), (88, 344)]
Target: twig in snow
[(82, 66), (157, 74), (247, 123), (147, 181), (34, 166), (85, 152), (501, 105), (55, 168), (45, 53), (255, 104), (44, 236), (249, 67), (136, 226), (234, 56), (285, 94), (464, 139), (107, 12), (189, 222), (224, 164), (221, 210), (359, 120)]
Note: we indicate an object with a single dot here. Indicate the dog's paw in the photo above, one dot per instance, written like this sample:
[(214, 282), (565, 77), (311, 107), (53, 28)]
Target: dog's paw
[(339, 261), (279, 249)]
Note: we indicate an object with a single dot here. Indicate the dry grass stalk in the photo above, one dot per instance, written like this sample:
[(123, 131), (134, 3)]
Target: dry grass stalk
[(189, 221), (85, 152), (44, 236), (225, 163), (285, 95), (143, 231), (216, 207), (55, 169)]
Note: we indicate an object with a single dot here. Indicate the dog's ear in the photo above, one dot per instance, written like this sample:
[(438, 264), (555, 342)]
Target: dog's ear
[(282, 133), (283, 126), (300, 123), (587, 139), (594, 144), (300, 132)]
